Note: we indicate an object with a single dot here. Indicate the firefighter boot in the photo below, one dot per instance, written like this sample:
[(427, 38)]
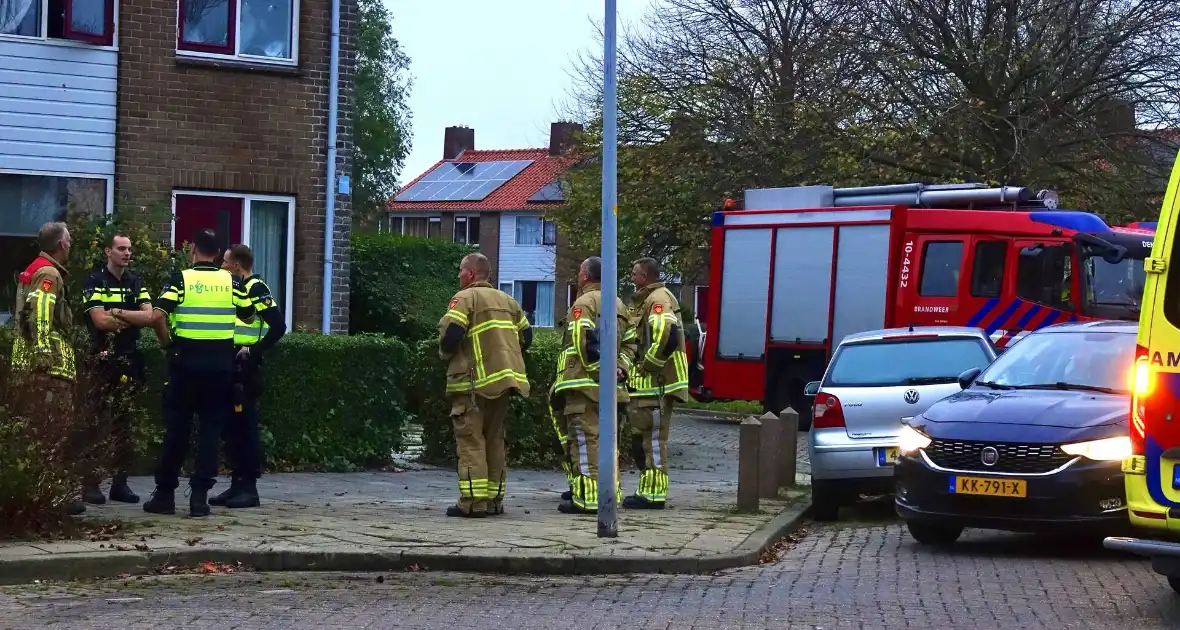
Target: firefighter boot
[(247, 496), (121, 492), (455, 510), (161, 502), (92, 494), (235, 486), (198, 503)]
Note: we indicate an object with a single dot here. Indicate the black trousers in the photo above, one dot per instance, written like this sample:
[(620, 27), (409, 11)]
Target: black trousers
[(243, 432), (204, 389), (119, 379)]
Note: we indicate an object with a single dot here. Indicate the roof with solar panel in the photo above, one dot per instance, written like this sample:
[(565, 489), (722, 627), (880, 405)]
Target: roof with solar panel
[(488, 180)]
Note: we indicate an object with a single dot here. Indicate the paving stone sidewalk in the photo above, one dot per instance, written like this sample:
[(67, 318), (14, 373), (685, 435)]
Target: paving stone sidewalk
[(385, 521)]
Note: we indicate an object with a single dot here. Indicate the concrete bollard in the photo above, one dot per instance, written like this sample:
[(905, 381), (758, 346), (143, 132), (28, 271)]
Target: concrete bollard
[(749, 438), (768, 457), (788, 462)]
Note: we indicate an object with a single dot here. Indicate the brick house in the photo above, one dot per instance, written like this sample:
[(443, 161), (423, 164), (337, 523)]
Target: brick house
[(214, 110), (496, 199)]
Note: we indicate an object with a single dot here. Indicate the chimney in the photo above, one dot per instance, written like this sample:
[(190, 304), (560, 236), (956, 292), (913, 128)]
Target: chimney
[(561, 136), (457, 140)]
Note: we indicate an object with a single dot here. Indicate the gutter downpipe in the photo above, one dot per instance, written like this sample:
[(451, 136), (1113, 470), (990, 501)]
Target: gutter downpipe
[(330, 210)]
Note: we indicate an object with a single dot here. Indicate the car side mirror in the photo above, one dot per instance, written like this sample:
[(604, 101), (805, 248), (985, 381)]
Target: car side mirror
[(811, 388), (968, 377)]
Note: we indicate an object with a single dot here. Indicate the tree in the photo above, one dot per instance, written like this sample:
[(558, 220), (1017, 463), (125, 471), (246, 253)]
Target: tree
[(383, 119)]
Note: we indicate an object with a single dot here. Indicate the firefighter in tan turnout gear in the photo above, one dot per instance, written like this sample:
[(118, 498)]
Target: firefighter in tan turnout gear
[(575, 390), (659, 378), (483, 336)]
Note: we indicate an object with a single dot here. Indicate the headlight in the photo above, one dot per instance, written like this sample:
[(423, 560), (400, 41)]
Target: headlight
[(911, 440), (1113, 449)]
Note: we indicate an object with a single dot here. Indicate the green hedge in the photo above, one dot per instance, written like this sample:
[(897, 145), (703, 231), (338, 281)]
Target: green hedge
[(401, 285)]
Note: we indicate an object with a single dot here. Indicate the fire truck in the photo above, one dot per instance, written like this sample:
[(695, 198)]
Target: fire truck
[(795, 270)]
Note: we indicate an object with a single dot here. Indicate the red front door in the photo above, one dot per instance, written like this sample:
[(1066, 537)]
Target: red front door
[(198, 212)]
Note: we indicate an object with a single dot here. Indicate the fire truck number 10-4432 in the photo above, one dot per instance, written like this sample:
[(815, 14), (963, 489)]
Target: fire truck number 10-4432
[(905, 264)]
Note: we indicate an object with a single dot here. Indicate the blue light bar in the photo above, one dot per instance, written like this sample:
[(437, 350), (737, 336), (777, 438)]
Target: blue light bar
[(1072, 220)]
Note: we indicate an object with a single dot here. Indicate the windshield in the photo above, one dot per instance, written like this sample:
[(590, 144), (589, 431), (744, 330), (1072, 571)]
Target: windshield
[(1088, 359), (1120, 284), (909, 362)]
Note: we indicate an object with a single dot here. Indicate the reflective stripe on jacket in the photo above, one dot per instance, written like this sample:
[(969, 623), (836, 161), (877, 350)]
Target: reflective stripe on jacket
[(489, 361), (43, 318), (207, 309), (661, 359), (579, 360)]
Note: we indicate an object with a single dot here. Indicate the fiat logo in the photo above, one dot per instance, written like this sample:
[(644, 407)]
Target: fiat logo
[(911, 396), (989, 456)]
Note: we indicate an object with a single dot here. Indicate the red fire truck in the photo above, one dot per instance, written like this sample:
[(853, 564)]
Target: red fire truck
[(794, 270)]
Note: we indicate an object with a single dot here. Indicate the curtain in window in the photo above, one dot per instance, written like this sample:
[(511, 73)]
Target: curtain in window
[(544, 304), (528, 231), (268, 239), (20, 17)]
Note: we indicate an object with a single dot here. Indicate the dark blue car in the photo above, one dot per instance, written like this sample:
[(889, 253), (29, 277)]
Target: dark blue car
[(1034, 442)]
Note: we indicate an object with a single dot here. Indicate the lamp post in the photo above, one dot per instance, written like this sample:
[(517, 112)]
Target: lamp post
[(608, 461)]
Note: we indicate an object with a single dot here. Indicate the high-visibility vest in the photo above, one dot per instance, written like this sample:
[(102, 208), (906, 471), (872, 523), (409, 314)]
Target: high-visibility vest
[(249, 333), (207, 311)]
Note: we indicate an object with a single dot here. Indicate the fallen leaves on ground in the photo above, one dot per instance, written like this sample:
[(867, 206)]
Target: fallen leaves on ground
[(204, 568), (772, 553)]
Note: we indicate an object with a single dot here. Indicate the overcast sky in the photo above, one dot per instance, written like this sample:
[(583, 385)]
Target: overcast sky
[(499, 67)]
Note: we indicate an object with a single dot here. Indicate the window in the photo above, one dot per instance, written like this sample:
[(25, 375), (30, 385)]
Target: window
[(535, 297), (263, 222), (90, 21), (987, 276), (1044, 275), (890, 364), (701, 303), (941, 261), (428, 227), (253, 30), (467, 230), (535, 231), (1098, 359), (27, 202), (571, 295)]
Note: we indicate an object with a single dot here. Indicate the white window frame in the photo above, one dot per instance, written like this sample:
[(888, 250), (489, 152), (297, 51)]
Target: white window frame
[(464, 218), (237, 27), (401, 224), (289, 280), (44, 37), (512, 285), (516, 232)]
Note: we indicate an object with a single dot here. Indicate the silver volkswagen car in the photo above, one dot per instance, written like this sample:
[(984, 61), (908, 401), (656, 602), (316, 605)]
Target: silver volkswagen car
[(874, 380)]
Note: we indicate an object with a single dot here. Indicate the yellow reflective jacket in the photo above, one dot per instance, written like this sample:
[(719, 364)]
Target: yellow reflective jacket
[(489, 360), (578, 362), (661, 361), (44, 320)]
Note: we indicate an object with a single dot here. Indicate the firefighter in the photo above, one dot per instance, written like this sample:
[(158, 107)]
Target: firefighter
[(117, 305), (195, 324), (576, 386), (483, 336), (243, 433), (41, 349), (659, 378)]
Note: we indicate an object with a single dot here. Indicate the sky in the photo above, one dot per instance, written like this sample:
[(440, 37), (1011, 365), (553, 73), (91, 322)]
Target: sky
[(502, 68)]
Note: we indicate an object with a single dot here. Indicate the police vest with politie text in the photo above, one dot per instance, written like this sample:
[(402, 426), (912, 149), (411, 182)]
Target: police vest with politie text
[(206, 305), (43, 319)]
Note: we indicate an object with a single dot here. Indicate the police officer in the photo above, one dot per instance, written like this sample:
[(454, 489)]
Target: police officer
[(483, 335), (195, 322), (576, 386), (658, 379), (242, 434), (117, 305), (42, 348)]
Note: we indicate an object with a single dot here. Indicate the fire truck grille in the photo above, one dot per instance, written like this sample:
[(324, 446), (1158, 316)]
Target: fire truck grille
[(1013, 458)]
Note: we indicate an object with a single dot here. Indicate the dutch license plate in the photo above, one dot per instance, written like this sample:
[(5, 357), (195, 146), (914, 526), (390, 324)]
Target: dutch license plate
[(886, 456), (989, 487)]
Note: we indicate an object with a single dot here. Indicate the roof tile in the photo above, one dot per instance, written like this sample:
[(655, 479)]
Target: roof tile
[(513, 195)]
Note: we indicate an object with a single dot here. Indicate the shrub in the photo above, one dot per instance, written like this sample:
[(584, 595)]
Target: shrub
[(401, 285), (153, 259)]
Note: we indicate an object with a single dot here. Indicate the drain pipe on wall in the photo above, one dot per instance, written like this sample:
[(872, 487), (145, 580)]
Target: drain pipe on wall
[(330, 210)]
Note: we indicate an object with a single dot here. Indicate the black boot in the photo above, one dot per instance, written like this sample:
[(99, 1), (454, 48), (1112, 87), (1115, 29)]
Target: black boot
[(568, 495), (161, 502), (636, 502), (247, 496), (568, 507), (121, 492), (235, 486), (455, 510), (198, 503), (92, 494)]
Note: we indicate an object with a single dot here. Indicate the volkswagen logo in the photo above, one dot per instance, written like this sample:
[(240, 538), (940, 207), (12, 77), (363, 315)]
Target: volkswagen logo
[(911, 396), (989, 456)]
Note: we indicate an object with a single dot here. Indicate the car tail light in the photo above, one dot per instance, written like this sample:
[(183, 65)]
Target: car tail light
[(827, 414), (1140, 393)]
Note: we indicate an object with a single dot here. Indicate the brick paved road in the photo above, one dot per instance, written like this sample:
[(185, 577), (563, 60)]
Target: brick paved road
[(851, 575)]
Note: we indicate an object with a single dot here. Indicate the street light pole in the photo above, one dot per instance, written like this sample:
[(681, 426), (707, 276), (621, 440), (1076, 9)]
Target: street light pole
[(608, 461)]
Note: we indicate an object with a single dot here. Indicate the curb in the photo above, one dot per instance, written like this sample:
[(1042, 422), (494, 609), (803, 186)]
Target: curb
[(77, 566), (715, 415)]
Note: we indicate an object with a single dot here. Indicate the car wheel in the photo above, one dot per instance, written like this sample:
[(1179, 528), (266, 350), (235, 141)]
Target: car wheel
[(1174, 582), (935, 534), (824, 505)]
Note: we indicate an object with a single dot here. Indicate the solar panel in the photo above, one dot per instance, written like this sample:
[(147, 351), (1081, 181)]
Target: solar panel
[(549, 192), (462, 181)]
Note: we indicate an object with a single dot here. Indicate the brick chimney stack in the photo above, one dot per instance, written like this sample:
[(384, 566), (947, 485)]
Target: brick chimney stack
[(457, 140), (561, 136)]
